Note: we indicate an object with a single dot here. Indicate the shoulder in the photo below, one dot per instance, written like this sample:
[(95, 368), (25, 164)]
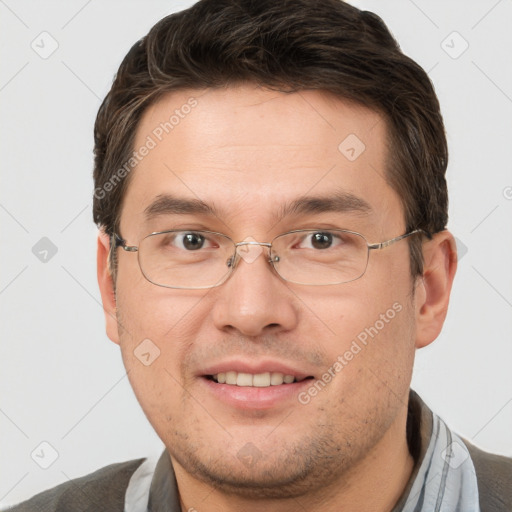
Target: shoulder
[(102, 490), (494, 477)]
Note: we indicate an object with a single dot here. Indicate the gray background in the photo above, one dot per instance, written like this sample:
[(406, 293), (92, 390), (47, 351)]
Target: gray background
[(62, 380)]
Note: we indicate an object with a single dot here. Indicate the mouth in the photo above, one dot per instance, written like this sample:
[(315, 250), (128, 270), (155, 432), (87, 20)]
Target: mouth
[(255, 380), (254, 385)]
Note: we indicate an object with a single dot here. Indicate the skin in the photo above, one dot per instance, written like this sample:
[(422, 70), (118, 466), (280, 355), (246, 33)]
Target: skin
[(248, 151)]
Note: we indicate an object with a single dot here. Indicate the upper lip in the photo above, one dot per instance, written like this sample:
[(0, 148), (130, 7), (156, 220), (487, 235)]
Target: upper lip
[(255, 367)]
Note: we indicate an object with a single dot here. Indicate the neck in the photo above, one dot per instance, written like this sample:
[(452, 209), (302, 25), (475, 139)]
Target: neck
[(375, 483)]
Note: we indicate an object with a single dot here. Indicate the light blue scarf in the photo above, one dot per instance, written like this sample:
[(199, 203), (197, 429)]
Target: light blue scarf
[(446, 480)]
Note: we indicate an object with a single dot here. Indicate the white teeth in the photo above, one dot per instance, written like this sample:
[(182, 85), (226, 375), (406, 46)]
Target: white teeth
[(231, 378), (259, 380), (276, 379), (244, 379)]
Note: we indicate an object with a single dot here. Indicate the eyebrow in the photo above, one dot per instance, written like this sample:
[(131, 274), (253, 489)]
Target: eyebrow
[(339, 202), (166, 204)]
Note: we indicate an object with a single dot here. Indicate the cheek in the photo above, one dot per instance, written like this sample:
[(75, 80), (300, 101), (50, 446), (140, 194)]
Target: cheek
[(153, 347), (157, 330), (370, 330), (149, 311)]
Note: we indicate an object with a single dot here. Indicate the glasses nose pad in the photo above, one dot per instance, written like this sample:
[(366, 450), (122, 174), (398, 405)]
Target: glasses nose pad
[(232, 261), (273, 258)]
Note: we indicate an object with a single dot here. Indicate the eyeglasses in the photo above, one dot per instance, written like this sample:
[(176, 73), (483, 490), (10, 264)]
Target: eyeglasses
[(189, 259)]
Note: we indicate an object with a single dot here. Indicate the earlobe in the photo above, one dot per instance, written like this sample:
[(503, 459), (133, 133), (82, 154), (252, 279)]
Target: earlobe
[(106, 285), (434, 287)]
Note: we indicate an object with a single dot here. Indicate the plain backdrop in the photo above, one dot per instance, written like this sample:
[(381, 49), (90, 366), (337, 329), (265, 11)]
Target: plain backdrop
[(62, 381)]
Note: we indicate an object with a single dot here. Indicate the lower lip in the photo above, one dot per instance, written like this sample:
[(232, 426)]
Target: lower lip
[(246, 397)]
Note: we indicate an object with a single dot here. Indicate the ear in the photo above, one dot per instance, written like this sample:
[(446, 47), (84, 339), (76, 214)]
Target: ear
[(106, 284), (434, 286)]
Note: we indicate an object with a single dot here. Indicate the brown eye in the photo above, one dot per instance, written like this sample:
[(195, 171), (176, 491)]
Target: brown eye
[(193, 241), (321, 240)]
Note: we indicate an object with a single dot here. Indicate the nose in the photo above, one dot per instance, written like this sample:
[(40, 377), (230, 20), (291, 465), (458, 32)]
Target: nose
[(254, 300)]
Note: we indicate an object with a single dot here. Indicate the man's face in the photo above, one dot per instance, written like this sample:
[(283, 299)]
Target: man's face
[(248, 153)]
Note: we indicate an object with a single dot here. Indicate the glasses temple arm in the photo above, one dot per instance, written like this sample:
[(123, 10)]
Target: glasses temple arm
[(120, 242), (382, 245)]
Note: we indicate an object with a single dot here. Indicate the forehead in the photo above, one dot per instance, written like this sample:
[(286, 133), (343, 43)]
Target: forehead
[(251, 152)]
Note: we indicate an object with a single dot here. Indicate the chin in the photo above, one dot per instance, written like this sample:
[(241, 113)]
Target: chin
[(285, 472)]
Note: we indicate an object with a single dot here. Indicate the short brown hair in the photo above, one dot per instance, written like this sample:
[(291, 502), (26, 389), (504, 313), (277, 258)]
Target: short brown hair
[(286, 45)]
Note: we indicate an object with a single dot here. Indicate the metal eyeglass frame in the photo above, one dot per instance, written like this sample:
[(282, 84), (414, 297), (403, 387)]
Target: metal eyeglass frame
[(120, 242)]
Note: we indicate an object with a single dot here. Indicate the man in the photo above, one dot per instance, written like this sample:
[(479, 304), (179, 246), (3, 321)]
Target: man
[(270, 191)]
